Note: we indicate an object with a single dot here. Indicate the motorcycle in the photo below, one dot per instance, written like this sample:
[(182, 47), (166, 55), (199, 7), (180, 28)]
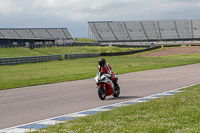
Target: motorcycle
[(106, 86)]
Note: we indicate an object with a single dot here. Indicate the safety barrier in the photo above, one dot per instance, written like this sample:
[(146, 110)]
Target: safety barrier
[(76, 56), (131, 46), (130, 52), (33, 59)]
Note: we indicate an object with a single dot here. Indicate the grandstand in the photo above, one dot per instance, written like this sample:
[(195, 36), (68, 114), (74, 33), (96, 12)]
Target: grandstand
[(145, 31), (24, 36)]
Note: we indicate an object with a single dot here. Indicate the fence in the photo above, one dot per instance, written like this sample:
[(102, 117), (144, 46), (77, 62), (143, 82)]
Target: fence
[(34, 59), (12, 46), (131, 46), (23, 60), (76, 56), (32, 46)]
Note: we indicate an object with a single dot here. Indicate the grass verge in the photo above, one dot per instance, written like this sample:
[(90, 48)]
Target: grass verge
[(67, 70), (85, 40), (179, 113), (22, 52)]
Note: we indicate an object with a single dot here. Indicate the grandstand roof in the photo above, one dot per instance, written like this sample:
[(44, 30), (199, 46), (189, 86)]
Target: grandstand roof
[(36, 33)]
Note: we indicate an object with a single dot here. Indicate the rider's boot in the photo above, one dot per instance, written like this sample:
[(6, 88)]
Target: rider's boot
[(116, 86)]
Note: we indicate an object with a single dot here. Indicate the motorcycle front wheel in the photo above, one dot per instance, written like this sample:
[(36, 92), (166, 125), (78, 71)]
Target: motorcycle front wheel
[(102, 92)]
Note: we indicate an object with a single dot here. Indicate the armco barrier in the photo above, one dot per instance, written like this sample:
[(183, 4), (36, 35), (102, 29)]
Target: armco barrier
[(131, 46), (76, 56), (130, 52), (33, 59)]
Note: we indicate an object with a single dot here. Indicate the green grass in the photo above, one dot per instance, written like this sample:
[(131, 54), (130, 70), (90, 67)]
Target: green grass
[(85, 40), (85, 49), (22, 52), (67, 70), (179, 113), (18, 52)]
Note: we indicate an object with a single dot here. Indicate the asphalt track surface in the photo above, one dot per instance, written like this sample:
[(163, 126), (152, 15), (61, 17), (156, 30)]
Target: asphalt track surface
[(29, 104)]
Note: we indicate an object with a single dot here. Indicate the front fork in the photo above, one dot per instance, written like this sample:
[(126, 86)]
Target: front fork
[(104, 85)]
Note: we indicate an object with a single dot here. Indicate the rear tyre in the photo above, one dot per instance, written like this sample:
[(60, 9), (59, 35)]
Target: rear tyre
[(102, 92)]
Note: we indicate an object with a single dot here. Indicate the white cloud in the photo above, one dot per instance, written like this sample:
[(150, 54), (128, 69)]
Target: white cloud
[(8, 7), (83, 10), (79, 10), (47, 13)]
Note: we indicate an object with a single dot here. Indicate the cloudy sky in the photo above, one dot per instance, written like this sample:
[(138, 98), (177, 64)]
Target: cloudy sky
[(74, 14)]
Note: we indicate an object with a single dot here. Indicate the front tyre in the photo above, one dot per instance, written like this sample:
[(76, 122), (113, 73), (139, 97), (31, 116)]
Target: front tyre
[(102, 92)]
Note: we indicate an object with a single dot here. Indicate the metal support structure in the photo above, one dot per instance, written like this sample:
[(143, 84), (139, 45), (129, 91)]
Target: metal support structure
[(176, 30), (2, 34), (66, 34), (159, 30), (89, 33), (33, 33), (97, 32), (127, 30), (144, 31), (188, 29), (17, 33), (112, 31), (48, 33), (192, 28), (156, 31)]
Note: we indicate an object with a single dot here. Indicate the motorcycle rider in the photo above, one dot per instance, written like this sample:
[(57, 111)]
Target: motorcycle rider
[(106, 68)]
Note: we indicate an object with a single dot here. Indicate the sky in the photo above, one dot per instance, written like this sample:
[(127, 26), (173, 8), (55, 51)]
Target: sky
[(74, 14)]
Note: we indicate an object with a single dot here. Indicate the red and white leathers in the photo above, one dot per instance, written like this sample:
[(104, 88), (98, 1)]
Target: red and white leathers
[(107, 70)]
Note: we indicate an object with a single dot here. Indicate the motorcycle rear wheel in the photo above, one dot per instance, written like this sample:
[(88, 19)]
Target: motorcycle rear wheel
[(102, 92)]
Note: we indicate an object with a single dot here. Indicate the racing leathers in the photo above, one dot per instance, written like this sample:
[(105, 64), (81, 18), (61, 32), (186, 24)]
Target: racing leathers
[(108, 70)]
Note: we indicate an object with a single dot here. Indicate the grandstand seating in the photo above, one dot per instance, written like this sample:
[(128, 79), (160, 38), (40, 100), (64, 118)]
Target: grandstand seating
[(104, 31), (36, 33), (41, 33), (196, 28), (25, 33), (95, 31), (10, 34), (163, 30), (168, 30), (135, 30), (150, 29), (67, 34), (119, 30), (183, 28)]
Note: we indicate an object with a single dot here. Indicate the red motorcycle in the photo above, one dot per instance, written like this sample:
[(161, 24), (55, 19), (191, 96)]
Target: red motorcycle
[(106, 86)]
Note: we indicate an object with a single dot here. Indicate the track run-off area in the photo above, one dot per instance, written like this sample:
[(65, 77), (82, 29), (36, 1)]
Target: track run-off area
[(29, 104)]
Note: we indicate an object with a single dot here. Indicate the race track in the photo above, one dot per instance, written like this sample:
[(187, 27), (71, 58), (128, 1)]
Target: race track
[(28, 104)]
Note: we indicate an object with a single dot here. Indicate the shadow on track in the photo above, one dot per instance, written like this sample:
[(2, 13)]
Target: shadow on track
[(123, 97)]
